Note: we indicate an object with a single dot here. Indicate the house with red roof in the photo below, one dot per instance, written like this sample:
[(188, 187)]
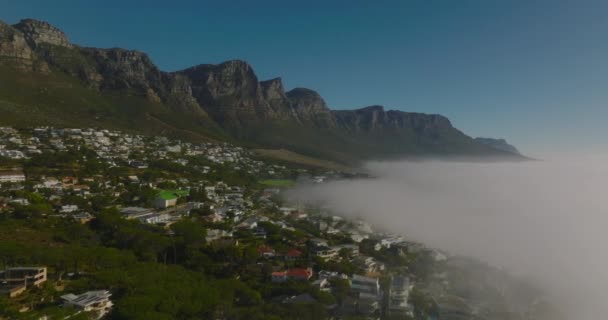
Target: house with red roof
[(266, 252), (302, 274), (279, 276), (299, 273), (293, 254)]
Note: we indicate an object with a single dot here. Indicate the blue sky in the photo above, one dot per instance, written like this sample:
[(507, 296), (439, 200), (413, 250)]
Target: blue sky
[(531, 71)]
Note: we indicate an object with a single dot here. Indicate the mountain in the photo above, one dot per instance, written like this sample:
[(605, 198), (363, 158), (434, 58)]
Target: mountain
[(499, 144), (46, 79)]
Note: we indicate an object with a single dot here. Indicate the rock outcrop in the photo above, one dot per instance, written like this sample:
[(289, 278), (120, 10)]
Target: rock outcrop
[(40, 32), (15, 50), (310, 107)]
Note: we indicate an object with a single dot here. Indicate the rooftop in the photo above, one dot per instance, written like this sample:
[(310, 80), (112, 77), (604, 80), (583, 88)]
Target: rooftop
[(87, 298), (172, 194)]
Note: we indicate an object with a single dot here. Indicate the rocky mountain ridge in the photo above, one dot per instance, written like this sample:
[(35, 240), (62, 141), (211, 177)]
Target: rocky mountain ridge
[(500, 144), (230, 95)]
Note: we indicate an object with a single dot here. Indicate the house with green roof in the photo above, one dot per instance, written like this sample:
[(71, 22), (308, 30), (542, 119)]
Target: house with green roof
[(168, 198)]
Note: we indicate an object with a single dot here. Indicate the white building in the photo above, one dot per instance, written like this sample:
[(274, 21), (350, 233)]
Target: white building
[(368, 293), (12, 176), (69, 208), (97, 302), (398, 296)]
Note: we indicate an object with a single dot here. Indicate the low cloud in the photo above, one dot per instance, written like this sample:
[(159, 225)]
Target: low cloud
[(543, 220)]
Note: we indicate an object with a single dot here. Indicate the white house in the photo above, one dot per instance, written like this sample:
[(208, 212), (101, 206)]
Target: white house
[(97, 302), (398, 296), (12, 176)]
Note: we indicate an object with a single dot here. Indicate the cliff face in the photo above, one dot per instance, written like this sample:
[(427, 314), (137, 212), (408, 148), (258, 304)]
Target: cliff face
[(374, 119), (230, 94), (499, 144), (39, 32), (15, 49), (310, 108)]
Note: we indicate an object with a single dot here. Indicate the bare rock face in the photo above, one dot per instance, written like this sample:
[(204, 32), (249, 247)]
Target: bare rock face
[(232, 94), (125, 70), (232, 83), (179, 94), (374, 120), (15, 51), (310, 107), (13, 45), (229, 92), (39, 32), (274, 94)]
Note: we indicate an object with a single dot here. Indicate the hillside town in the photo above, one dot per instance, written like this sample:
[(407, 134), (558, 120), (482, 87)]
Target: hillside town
[(209, 209)]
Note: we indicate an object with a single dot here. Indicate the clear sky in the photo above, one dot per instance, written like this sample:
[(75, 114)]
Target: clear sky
[(531, 71)]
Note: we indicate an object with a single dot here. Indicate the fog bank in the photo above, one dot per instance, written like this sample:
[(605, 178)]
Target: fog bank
[(545, 220)]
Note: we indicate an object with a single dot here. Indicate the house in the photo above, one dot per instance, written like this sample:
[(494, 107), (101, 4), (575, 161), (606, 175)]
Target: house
[(367, 291), (300, 274), (69, 181), (165, 200), (82, 217), (97, 302), (278, 276), (298, 215), (293, 254), (388, 242), (20, 201), (358, 237), (214, 217), (13, 154), (332, 275), (215, 234), (266, 252), (352, 249), (259, 232), (168, 198), (81, 189), (138, 164), (398, 297), (287, 210), (12, 176), (156, 218), (322, 284), (133, 179), (369, 264), (327, 252), (249, 223), (14, 281), (69, 208), (318, 242)]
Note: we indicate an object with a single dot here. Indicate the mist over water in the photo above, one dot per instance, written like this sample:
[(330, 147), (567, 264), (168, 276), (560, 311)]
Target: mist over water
[(545, 221)]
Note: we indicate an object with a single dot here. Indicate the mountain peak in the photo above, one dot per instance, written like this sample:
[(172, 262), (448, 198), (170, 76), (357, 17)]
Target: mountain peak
[(303, 92), (374, 108), (273, 90), (38, 32), (273, 83)]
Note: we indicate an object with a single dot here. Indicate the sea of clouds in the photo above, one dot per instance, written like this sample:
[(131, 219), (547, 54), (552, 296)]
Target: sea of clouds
[(543, 220)]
